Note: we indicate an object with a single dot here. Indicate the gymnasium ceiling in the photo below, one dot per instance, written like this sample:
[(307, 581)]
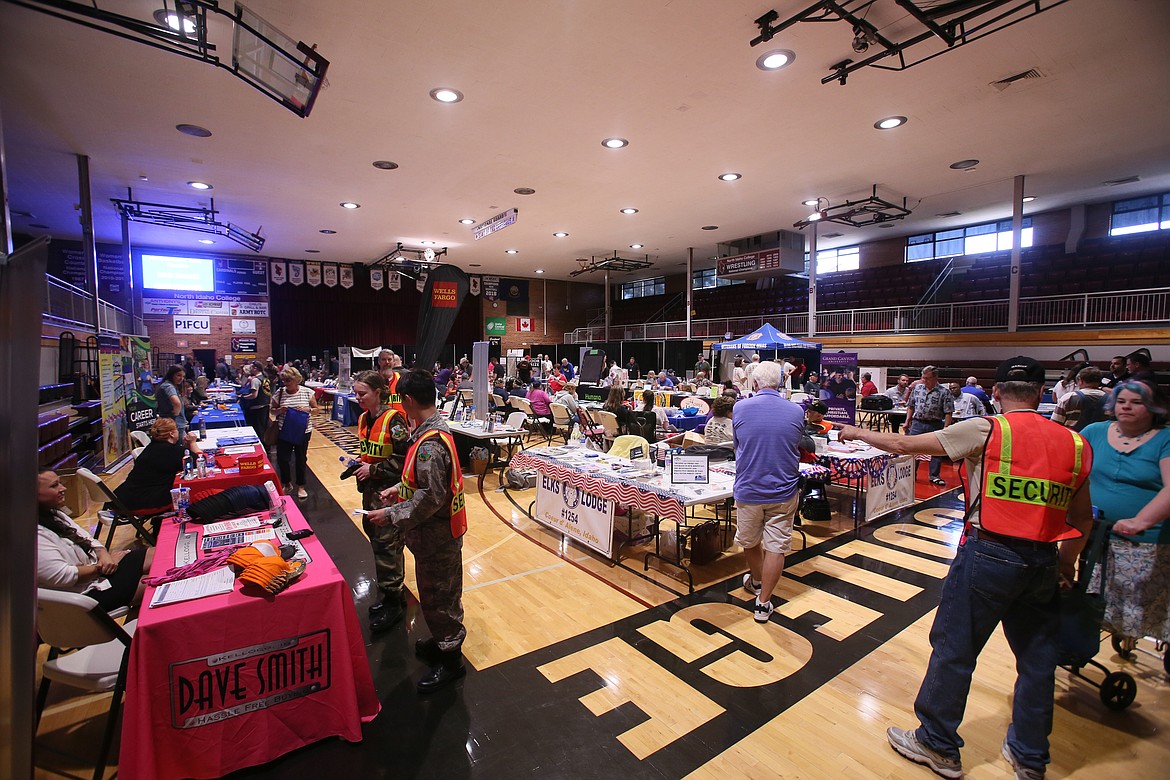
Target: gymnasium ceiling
[(544, 83)]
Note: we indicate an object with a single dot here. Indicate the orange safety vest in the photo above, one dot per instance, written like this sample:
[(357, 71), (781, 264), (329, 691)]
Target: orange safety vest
[(409, 484), (374, 439), (395, 400), (1032, 467)]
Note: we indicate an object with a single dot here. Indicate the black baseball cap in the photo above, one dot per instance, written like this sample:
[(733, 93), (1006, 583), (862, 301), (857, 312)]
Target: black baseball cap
[(818, 406), (1019, 369)]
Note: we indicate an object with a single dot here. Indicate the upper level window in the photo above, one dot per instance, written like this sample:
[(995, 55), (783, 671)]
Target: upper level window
[(972, 240), (1140, 215), (643, 288), (846, 258), (702, 280)]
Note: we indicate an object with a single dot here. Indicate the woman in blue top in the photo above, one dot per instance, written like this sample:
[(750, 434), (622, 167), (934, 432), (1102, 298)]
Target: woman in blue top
[(1130, 483)]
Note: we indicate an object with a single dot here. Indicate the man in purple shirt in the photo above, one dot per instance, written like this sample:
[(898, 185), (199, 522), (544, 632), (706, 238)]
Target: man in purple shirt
[(767, 431)]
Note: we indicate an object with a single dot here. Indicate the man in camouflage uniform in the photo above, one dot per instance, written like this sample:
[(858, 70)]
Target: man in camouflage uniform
[(431, 517), (383, 437)]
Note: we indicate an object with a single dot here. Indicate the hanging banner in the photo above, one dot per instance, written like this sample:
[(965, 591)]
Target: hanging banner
[(313, 273), (491, 287), (473, 285), (347, 276), (137, 382), (496, 326), (446, 288), (248, 309), (115, 433), (329, 274), (421, 283), (278, 271), (296, 272), (344, 370), (571, 511), (498, 222), (839, 386), (244, 326), (394, 280), (376, 278), (890, 488)]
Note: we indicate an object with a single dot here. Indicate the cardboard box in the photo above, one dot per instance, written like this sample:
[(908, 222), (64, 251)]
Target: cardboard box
[(76, 496)]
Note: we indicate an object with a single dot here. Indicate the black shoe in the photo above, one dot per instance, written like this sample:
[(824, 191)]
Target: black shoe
[(441, 675), (378, 606), (386, 618), (428, 650)]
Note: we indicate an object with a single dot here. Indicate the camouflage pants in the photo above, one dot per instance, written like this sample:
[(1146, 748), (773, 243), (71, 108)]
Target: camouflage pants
[(438, 561), (386, 542)]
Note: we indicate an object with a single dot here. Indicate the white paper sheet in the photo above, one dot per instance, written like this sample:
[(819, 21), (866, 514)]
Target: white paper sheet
[(212, 583)]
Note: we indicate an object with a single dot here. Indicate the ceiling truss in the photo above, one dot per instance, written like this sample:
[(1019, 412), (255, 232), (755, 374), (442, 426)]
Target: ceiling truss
[(616, 263), (194, 218)]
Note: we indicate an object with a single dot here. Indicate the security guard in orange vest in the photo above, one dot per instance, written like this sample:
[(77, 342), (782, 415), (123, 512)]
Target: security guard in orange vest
[(390, 367), (1028, 513), (432, 517), (382, 437)]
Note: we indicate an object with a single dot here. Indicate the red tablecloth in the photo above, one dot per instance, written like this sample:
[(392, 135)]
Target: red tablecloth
[(202, 488), (232, 681)]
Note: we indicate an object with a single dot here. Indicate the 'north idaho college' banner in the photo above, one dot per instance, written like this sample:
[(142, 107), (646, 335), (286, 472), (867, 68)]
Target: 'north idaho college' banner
[(443, 295)]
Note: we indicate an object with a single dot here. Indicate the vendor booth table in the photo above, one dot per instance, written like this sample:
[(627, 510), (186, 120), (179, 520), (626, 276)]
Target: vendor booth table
[(235, 680), (231, 416), (218, 479), (344, 408)]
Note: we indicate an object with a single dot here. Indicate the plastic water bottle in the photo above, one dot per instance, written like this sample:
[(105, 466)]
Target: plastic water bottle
[(351, 465), (202, 467), (202, 428), (581, 440), (471, 412), (669, 460)]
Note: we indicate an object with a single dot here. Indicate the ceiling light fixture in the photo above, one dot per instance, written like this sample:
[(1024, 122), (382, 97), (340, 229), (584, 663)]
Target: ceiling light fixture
[(170, 19), (467, 221), (629, 211), (561, 234), (426, 243), (539, 270), (1028, 198), (475, 265), (199, 185), (963, 165), (890, 122), (193, 130), (446, 95), (1119, 182), (635, 246), (349, 204), (811, 201), (615, 143), (327, 231), (206, 241), (775, 59), (312, 251), (524, 191), (384, 165), (511, 251), (730, 176), (873, 210), (710, 227)]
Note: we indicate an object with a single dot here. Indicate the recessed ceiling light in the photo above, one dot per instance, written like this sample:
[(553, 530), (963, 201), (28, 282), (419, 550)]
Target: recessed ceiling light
[(561, 234), (540, 270), (475, 265), (327, 231), (832, 235), (810, 202), (1119, 182), (446, 95), (710, 227), (629, 211), (349, 204), (385, 165), (512, 251), (713, 257), (171, 19), (524, 191), (193, 130), (635, 246), (886, 225), (1028, 198), (963, 165), (467, 221), (948, 214), (199, 185), (775, 59), (890, 122), (426, 243), (206, 241), (730, 176), (312, 251), (615, 143), (143, 177)]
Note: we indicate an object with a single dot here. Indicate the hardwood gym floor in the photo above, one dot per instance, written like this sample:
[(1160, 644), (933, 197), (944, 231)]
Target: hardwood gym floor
[(582, 670)]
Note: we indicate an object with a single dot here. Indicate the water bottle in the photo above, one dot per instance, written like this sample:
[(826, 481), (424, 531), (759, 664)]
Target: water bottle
[(351, 465), (471, 412), (669, 460), (202, 467), (491, 423), (202, 428), (581, 440)]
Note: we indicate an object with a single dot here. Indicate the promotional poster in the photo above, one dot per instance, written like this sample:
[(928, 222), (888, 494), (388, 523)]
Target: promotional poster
[(839, 386)]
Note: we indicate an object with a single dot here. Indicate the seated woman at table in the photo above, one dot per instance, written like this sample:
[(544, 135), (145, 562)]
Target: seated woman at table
[(190, 405), (199, 394), (293, 396), (659, 412), (615, 403), (515, 388), (69, 559), (539, 400), (567, 395), (149, 483), (718, 430)]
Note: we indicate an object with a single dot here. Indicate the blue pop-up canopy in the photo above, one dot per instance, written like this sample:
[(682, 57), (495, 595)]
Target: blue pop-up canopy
[(766, 337)]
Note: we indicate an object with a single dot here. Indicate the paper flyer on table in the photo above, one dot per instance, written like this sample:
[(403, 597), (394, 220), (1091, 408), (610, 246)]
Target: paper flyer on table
[(212, 583)]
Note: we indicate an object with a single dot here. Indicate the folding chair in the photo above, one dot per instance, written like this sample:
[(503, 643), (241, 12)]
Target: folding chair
[(534, 423), (593, 432), (562, 420), (71, 620), (610, 425), (121, 514), (141, 437)]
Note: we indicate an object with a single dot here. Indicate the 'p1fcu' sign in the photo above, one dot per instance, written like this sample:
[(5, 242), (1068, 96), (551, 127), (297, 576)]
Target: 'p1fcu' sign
[(192, 324)]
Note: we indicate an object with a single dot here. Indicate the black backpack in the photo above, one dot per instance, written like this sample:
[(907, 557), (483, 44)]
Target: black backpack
[(877, 403), (1092, 410)]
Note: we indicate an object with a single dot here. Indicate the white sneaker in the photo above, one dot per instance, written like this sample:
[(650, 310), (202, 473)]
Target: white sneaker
[(302, 493), (763, 611), (751, 587)]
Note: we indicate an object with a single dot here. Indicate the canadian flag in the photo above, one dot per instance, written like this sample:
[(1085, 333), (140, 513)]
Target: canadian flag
[(524, 324)]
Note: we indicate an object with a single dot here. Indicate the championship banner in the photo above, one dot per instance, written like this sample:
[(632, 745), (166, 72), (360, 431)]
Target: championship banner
[(394, 280), (569, 510), (473, 285), (491, 287), (421, 283), (839, 386), (313, 273), (376, 278), (446, 288), (347, 276), (278, 271), (890, 488), (329, 274), (137, 382), (296, 272)]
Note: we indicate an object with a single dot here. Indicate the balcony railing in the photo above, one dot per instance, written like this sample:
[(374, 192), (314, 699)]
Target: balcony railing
[(71, 306), (1087, 310)]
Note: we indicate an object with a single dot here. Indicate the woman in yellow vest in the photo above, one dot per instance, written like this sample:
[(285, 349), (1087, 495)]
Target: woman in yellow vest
[(382, 436), (432, 517)]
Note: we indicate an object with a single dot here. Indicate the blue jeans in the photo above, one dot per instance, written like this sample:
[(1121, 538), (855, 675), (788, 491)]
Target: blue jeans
[(926, 426), (991, 583)]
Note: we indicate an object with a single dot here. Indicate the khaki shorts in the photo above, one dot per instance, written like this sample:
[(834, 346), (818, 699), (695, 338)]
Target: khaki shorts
[(768, 525)]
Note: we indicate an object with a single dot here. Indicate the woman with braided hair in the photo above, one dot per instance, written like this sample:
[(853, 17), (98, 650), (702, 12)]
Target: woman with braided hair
[(69, 559)]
